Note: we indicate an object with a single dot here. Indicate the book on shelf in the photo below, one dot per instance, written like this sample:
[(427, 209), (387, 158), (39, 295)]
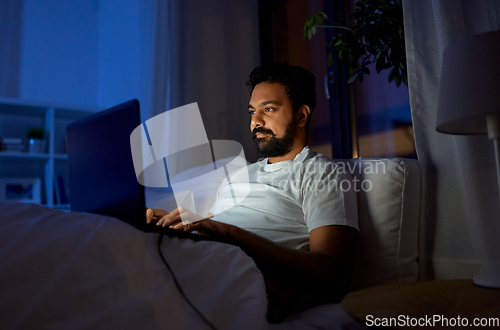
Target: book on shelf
[(57, 196), (11, 144), (62, 198), (11, 148), (11, 140)]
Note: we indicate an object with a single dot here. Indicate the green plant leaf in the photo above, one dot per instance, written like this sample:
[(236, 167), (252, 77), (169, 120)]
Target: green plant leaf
[(404, 76), (306, 31), (397, 80), (36, 132), (353, 78), (374, 29), (319, 16), (392, 74), (338, 43), (380, 64), (360, 76)]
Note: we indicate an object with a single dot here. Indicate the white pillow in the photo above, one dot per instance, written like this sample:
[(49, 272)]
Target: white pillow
[(388, 210)]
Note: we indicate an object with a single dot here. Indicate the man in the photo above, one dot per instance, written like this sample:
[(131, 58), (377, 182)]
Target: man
[(298, 234)]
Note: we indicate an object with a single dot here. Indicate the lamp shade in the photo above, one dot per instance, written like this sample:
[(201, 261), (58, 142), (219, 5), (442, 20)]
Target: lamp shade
[(470, 84)]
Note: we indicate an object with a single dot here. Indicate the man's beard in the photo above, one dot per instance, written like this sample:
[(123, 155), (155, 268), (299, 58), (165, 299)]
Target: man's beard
[(273, 146)]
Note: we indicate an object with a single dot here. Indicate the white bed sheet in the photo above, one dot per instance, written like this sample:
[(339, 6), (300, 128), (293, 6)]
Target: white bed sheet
[(324, 317), (79, 271)]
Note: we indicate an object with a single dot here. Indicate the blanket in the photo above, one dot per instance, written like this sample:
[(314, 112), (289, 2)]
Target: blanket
[(81, 271)]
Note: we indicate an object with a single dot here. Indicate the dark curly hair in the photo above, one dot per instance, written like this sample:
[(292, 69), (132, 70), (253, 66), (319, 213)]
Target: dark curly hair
[(299, 83)]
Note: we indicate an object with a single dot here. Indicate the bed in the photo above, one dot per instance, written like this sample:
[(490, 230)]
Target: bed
[(79, 270)]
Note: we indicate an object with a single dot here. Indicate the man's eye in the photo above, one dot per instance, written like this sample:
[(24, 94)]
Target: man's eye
[(269, 109), (251, 112)]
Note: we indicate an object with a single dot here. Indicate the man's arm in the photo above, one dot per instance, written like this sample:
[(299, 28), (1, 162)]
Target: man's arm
[(326, 270)]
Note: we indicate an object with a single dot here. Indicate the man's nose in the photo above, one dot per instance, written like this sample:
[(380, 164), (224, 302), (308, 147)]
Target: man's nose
[(257, 121)]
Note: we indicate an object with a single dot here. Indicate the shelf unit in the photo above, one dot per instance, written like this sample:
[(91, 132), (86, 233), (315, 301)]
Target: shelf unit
[(16, 117)]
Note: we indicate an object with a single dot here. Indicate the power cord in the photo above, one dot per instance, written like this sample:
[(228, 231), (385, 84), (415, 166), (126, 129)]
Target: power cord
[(181, 291)]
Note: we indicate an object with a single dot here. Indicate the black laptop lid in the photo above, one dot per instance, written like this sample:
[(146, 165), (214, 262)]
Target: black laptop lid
[(101, 171)]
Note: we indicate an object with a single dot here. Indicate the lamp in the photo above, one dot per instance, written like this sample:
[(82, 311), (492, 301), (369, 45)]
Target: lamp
[(469, 102)]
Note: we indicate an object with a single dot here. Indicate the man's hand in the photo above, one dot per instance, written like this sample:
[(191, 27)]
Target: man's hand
[(155, 214), (212, 228), (177, 219), (185, 220)]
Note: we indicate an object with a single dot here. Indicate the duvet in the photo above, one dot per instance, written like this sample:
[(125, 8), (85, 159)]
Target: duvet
[(85, 271)]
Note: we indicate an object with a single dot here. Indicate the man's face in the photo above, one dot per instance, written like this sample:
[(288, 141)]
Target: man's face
[(273, 123)]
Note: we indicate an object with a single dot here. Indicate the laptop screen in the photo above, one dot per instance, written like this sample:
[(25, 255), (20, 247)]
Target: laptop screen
[(102, 179)]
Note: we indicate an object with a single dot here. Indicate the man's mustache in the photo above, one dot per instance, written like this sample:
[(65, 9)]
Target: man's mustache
[(261, 130)]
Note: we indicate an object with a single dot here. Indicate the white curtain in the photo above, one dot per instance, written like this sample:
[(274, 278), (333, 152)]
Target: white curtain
[(458, 172), (164, 42), (203, 51)]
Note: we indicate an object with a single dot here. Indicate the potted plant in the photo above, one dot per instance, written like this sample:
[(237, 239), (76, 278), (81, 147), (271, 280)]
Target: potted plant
[(374, 33), (36, 140)]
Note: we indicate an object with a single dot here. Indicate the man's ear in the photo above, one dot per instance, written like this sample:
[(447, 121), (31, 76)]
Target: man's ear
[(303, 114)]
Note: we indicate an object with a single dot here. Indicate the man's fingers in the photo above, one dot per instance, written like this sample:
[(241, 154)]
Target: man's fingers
[(174, 219), (168, 220), (175, 212), (200, 225), (193, 226), (178, 218), (177, 226), (149, 215), (154, 214)]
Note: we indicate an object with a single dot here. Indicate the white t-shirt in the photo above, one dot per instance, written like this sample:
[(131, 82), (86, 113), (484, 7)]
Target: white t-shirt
[(288, 199)]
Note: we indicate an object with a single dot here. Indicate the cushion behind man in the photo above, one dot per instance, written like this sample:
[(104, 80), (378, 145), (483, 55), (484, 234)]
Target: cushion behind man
[(388, 210)]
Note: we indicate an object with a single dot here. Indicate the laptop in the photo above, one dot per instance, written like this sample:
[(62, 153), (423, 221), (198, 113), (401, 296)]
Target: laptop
[(102, 178)]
